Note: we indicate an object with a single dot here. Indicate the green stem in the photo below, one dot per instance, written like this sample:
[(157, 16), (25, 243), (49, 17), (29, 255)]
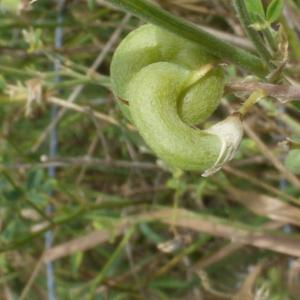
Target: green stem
[(292, 38), (153, 14), (106, 268), (110, 202), (251, 101), (252, 33), (270, 39)]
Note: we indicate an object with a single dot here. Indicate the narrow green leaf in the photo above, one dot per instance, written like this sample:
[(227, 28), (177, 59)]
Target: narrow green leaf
[(91, 4), (76, 260), (255, 8), (274, 10)]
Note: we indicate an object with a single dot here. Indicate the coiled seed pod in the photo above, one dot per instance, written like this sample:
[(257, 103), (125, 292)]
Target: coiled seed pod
[(171, 84)]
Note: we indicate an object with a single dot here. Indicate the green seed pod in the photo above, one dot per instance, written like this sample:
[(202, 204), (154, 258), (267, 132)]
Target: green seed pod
[(171, 84), (292, 161)]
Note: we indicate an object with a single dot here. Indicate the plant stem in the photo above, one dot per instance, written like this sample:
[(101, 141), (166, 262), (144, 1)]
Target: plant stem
[(106, 268), (153, 14), (292, 38), (254, 36), (251, 101), (109, 202), (270, 39)]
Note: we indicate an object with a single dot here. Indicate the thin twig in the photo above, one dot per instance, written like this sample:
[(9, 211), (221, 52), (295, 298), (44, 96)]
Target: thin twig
[(82, 109), (284, 93), (78, 89), (236, 232), (63, 162), (32, 277), (294, 180), (251, 32)]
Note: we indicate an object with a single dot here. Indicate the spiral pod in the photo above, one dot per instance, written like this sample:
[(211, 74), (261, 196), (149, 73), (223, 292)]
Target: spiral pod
[(171, 84)]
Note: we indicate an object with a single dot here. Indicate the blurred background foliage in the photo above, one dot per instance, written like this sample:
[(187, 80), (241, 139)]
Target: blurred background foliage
[(114, 205)]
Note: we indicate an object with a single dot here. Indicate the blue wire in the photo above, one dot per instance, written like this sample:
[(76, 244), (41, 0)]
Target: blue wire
[(283, 184), (53, 149)]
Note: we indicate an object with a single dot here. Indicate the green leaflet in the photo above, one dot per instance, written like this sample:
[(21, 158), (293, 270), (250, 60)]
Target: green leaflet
[(292, 161), (274, 10), (255, 9)]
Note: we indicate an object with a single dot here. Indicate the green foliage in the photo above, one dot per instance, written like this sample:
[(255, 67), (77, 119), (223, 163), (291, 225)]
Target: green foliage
[(256, 10), (258, 14), (292, 161), (274, 10), (10, 5), (110, 188), (91, 4)]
